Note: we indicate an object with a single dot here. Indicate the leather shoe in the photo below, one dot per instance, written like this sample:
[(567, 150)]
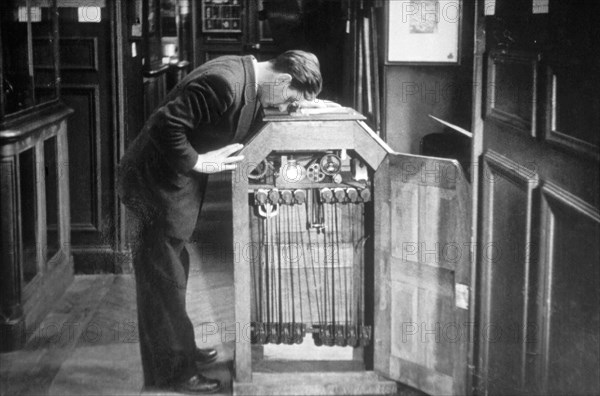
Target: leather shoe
[(205, 356), (198, 384)]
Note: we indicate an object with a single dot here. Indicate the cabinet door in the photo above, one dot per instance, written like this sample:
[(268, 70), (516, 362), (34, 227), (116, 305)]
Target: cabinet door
[(422, 273)]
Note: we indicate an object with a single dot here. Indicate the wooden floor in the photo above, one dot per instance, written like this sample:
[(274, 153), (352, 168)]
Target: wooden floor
[(88, 344)]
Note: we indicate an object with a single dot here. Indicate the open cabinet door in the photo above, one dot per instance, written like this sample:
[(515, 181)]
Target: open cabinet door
[(422, 273)]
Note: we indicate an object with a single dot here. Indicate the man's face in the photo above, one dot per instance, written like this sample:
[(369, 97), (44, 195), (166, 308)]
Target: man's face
[(279, 92)]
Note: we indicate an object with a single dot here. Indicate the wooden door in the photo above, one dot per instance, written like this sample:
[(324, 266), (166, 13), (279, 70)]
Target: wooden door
[(539, 313), (422, 273), (85, 65)]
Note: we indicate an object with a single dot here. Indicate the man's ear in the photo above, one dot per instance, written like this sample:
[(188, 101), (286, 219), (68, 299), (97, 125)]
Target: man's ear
[(283, 78)]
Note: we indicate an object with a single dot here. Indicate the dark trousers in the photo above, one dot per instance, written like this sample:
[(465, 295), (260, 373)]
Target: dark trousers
[(161, 265)]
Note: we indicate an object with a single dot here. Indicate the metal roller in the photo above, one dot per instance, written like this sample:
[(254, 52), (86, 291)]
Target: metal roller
[(274, 196), (260, 197), (352, 194), (300, 196), (340, 194), (365, 194), (326, 195), (287, 196)]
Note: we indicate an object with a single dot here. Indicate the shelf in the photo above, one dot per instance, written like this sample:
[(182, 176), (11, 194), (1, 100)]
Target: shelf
[(221, 17)]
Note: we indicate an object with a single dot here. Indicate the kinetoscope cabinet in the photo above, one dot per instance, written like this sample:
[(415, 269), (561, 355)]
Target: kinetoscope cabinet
[(352, 262)]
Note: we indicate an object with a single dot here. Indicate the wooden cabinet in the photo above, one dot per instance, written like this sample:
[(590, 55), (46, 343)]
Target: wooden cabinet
[(35, 247), (232, 27), (392, 270)]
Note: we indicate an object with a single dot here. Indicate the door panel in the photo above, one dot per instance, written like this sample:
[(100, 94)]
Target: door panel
[(84, 141), (505, 266), (86, 65), (573, 105), (572, 275), (512, 92), (422, 267)]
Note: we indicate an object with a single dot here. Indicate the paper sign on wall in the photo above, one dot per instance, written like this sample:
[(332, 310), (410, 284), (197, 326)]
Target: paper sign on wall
[(489, 7), (461, 296), (540, 6)]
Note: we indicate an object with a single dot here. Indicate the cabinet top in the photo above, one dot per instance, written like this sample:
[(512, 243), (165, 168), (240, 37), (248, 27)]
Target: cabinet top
[(313, 114), (32, 123)]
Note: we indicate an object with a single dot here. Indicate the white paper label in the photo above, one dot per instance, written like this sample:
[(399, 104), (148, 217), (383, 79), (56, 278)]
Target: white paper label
[(89, 14), (489, 7), (461, 296), (540, 6)]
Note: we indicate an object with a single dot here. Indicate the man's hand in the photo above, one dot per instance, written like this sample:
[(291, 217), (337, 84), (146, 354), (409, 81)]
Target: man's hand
[(219, 160)]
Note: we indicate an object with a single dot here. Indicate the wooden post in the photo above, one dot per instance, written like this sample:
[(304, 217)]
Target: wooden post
[(12, 324), (64, 212), (41, 225), (241, 274)]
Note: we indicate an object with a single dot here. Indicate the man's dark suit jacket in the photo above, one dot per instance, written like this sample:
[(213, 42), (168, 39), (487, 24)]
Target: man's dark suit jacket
[(213, 106)]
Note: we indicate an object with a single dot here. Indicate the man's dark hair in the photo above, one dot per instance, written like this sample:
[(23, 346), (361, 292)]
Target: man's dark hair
[(304, 69)]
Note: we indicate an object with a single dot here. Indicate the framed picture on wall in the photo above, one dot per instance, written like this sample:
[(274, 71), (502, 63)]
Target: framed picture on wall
[(423, 31)]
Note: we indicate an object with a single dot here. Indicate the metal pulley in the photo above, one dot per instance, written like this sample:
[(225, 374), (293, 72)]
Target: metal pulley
[(314, 173), (260, 170)]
